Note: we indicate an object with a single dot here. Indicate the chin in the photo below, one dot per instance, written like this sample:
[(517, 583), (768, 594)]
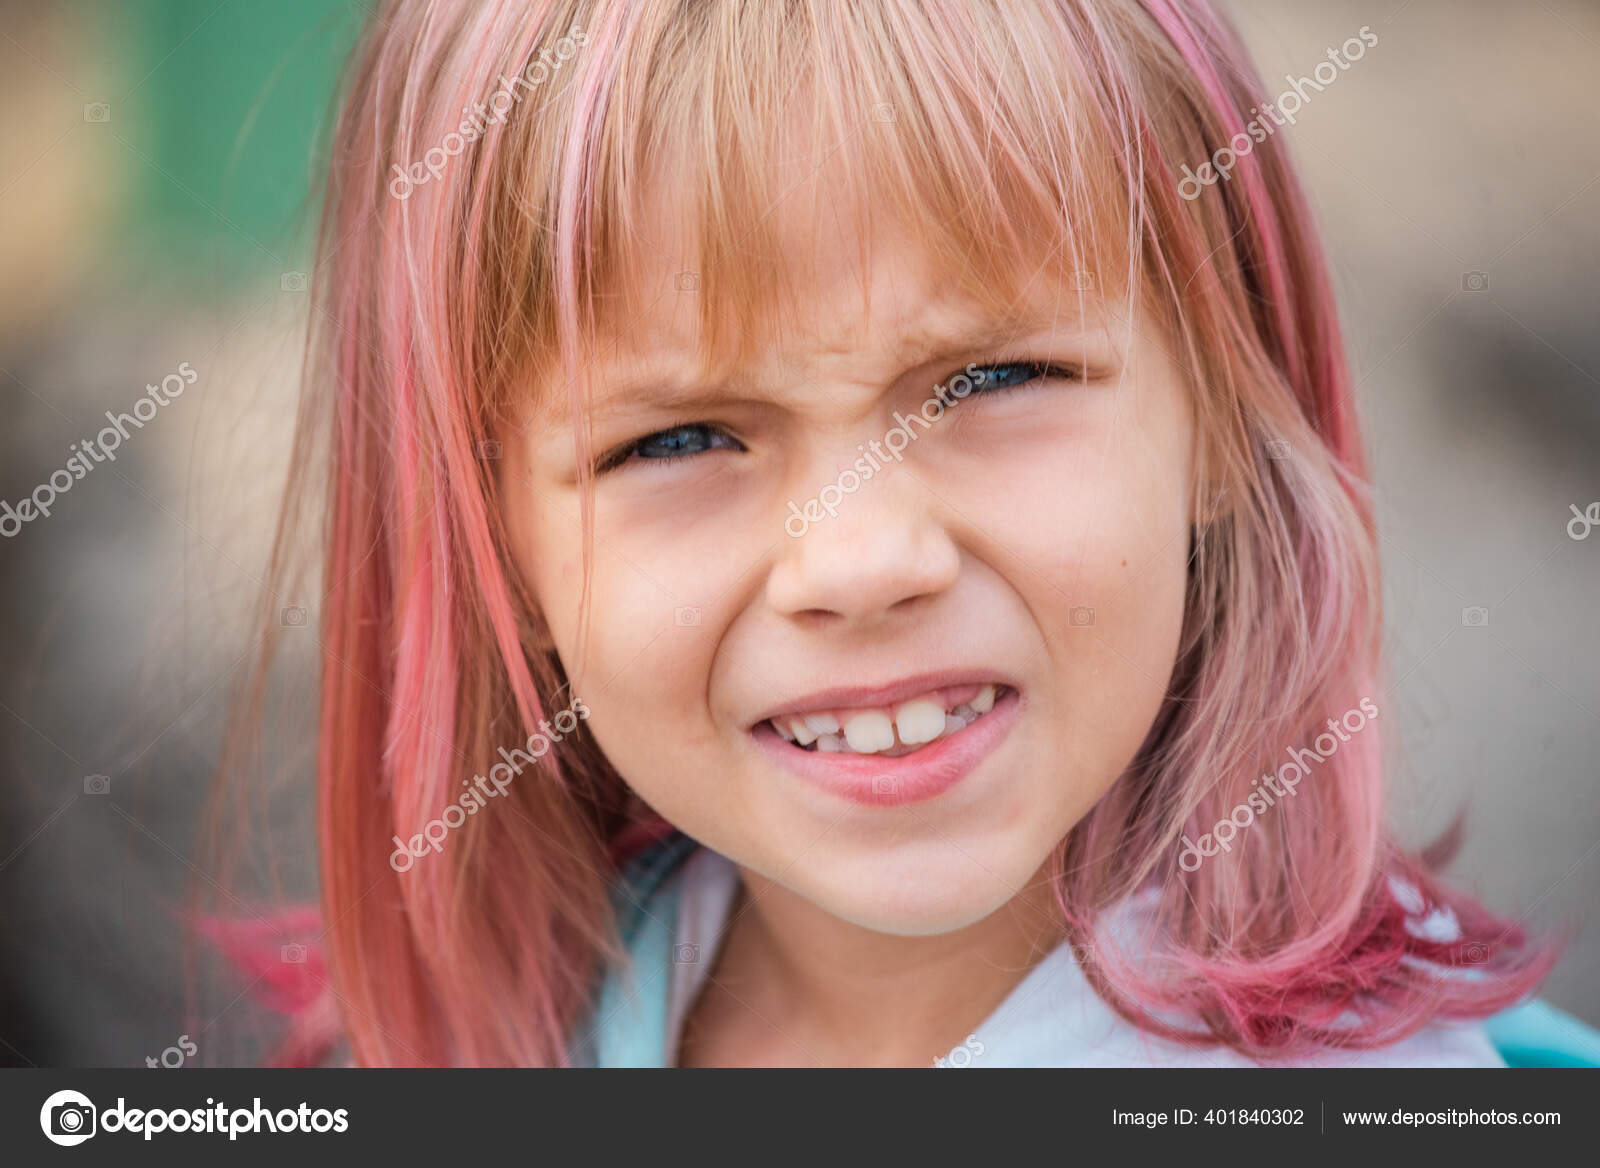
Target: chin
[(922, 888)]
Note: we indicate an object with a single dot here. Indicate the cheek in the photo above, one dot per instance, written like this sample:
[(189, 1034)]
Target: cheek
[(1093, 533), (1102, 529), (642, 662), (646, 638), (1105, 577), (640, 665)]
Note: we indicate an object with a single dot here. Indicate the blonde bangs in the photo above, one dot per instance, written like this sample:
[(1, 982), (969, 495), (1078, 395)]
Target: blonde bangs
[(965, 127)]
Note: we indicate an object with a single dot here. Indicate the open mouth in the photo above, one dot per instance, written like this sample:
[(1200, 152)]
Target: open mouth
[(890, 731)]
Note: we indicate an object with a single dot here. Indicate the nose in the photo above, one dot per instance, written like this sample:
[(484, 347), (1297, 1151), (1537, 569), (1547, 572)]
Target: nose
[(870, 555)]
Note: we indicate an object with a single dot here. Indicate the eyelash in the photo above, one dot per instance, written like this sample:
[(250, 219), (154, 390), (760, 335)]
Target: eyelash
[(624, 454)]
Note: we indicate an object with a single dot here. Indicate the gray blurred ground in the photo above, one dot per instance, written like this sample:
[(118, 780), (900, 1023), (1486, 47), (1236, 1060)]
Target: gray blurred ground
[(1464, 142)]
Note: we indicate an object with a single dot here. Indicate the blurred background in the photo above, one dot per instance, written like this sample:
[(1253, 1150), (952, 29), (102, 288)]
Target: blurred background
[(156, 208)]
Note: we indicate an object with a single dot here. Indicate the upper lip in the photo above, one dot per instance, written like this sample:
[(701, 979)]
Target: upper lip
[(868, 696)]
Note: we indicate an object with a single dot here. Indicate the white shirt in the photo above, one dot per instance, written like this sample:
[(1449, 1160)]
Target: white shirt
[(1053, 1018)]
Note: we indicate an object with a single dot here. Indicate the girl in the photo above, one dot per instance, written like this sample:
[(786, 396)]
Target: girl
[(847, 543)]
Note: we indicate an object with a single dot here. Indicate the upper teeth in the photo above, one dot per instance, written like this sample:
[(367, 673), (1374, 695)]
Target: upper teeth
[(918, 720), (871, 731)]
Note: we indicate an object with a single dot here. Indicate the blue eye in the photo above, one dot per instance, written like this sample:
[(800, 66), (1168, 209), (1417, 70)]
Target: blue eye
[(676, 443), (1010, 375), (668, 445)]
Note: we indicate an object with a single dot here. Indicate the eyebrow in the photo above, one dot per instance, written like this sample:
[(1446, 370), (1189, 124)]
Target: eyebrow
[(664, 392), (925, 345)]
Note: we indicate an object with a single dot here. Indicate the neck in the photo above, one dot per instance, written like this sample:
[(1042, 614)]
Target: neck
[(795, 985)]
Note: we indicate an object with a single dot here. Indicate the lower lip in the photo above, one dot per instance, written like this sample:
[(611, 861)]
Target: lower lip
[(874, 780)]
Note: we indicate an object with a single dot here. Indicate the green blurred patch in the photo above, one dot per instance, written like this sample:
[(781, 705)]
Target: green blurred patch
[(228, 103)]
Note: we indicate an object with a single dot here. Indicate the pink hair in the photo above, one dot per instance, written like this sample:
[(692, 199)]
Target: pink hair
[(430, 309)]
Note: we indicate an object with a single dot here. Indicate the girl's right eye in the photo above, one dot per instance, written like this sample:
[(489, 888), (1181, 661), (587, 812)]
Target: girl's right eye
[(670, 445)]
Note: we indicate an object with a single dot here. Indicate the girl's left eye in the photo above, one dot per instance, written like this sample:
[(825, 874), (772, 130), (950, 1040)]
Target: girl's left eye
[(1010, 375), (669, 445)]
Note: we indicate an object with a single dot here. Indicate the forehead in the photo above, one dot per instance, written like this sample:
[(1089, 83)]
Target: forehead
[(869, 320), (819, 278)]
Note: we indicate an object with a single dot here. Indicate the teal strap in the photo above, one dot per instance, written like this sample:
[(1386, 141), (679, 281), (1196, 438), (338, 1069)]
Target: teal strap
[(1536, 1034), (631, 1012), (629, 1023)]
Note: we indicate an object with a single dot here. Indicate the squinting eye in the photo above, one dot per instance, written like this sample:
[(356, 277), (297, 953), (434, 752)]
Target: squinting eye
[(667, 445), (1012, 374)]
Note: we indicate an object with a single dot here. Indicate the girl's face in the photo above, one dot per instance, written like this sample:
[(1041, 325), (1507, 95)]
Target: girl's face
[(801, 540)]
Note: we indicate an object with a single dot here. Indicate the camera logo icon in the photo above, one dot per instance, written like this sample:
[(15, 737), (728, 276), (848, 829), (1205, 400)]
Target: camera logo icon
[(67, 1118), (1082, 617), (292, 282), (97, 111), (1474, 281), (686, 616), (883, 112), (97, 784), (292, 954), (1475, 617), (687, 281), (885, 786), (490, 448), (1476, 953), (1083, 281), (293, 617), (686, 954), (1278, 448)]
